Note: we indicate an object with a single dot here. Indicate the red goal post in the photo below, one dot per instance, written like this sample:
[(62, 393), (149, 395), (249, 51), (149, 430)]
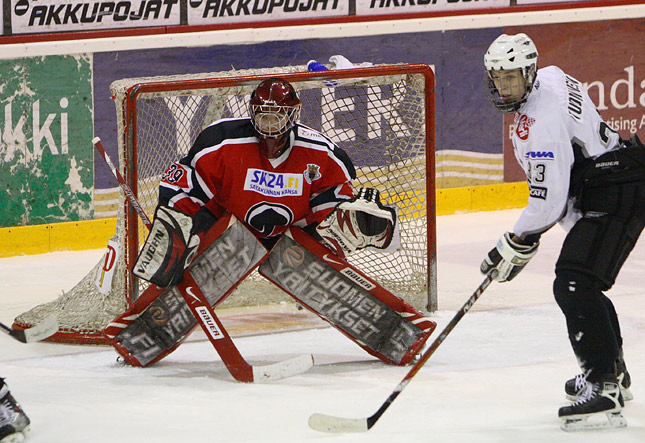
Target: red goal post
[(382, 116)]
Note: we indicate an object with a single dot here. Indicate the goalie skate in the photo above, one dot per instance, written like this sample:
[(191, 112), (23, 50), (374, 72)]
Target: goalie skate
[(599, 407)]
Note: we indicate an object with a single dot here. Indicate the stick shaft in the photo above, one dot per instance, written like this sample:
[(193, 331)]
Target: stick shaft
[(132, 199), (433, 347)]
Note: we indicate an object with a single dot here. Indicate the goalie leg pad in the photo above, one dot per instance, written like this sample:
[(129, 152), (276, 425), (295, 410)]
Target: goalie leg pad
[(378, 321), (160, 319), (158, 331)]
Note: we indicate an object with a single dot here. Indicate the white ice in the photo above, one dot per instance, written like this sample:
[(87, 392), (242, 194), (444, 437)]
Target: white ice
[(498, 377)]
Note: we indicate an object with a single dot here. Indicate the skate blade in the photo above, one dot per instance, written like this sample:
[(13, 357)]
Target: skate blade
[(594, 422)]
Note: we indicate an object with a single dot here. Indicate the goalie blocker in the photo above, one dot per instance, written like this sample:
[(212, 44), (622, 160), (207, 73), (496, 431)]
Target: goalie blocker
[(384, 325)]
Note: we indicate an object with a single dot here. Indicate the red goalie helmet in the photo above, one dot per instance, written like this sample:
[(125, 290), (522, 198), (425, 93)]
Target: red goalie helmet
[(274, 109)]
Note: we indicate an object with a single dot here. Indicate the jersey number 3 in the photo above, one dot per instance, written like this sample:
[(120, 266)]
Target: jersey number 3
[(536, 173)]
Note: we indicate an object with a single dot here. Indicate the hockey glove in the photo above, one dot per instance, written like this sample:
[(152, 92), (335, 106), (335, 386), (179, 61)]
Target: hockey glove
[(357, 223), (169, 249), (509, 257)]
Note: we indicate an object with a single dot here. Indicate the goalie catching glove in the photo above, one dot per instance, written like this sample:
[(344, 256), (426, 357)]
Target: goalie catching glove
[(357, 223), (171, 245), (509, 257)]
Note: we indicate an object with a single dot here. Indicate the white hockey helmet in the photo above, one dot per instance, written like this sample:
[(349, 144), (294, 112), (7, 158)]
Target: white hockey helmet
[(511, 53)]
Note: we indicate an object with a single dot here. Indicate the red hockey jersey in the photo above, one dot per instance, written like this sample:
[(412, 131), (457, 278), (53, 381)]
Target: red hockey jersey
[(225, 171)]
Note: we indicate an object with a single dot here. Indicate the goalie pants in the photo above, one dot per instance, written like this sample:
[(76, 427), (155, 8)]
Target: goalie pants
[(592, 255)]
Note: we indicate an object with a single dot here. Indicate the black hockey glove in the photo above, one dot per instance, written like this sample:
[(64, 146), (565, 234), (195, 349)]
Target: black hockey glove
[(509, 257)]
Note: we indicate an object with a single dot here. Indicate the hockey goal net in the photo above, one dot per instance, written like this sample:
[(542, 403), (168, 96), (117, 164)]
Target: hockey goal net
[(382, 116)]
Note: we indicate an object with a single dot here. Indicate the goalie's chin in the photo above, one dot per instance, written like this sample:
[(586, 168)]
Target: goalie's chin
[(273, 147)]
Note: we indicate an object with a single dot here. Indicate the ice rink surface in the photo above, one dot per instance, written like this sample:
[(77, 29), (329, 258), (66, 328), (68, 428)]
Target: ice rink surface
[(498, 377)]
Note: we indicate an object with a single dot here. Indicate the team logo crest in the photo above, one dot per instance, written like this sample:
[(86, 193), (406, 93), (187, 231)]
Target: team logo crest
[(312, 173), (522, 125)]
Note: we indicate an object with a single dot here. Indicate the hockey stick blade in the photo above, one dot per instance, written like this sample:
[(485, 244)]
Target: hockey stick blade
[(283, 369), (40, 331), (330, 423)]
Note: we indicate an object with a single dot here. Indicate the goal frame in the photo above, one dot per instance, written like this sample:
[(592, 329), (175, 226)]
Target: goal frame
[(86, 309), (130, 143)]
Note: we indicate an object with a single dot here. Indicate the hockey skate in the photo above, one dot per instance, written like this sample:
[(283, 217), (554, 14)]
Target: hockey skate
[(599, 406), (14, 423), (574, 387)]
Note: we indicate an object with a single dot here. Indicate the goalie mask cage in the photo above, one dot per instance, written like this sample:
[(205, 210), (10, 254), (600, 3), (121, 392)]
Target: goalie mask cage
[(382, 116)]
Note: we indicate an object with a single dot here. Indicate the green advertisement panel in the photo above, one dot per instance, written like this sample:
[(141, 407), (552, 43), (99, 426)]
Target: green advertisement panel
[(46, 157)]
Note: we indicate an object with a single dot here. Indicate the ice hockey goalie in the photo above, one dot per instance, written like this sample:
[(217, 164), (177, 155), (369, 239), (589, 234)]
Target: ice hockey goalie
[(267, 192)]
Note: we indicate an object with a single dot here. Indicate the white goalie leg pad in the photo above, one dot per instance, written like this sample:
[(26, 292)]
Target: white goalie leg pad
[(358, 223), (169, 248)]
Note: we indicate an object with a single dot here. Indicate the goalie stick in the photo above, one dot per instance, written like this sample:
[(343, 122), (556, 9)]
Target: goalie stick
[(205, 316), (40, 331), (96, 141), (330, 423)]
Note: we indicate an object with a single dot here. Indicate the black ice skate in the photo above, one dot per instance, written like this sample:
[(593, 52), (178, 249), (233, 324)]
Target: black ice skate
[(14, 424), (576, 385), (599, 406)]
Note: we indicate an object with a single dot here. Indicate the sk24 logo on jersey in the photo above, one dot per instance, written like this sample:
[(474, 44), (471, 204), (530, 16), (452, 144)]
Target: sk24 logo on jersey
[(272, 183)]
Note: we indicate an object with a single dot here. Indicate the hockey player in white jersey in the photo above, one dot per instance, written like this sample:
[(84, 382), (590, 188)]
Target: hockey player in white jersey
[(583, 176)]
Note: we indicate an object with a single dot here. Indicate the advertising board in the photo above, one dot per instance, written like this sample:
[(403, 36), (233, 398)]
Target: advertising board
[(43, 16), (46, 169)]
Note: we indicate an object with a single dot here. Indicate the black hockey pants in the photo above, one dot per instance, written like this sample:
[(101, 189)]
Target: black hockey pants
[(591, 257)]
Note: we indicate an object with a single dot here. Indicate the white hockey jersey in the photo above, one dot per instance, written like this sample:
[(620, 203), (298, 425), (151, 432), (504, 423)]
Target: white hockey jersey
[(557, 116)]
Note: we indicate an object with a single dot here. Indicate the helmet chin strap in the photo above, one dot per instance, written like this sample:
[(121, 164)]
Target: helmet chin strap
[(273, 147)]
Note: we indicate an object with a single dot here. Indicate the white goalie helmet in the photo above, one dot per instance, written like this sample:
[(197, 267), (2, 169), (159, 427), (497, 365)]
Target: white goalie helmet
[(511, 68)]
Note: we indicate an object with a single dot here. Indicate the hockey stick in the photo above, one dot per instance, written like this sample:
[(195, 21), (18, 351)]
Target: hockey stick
[(119, 178), (39, 331), (205, 316), (235, 363), (329, 423)]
